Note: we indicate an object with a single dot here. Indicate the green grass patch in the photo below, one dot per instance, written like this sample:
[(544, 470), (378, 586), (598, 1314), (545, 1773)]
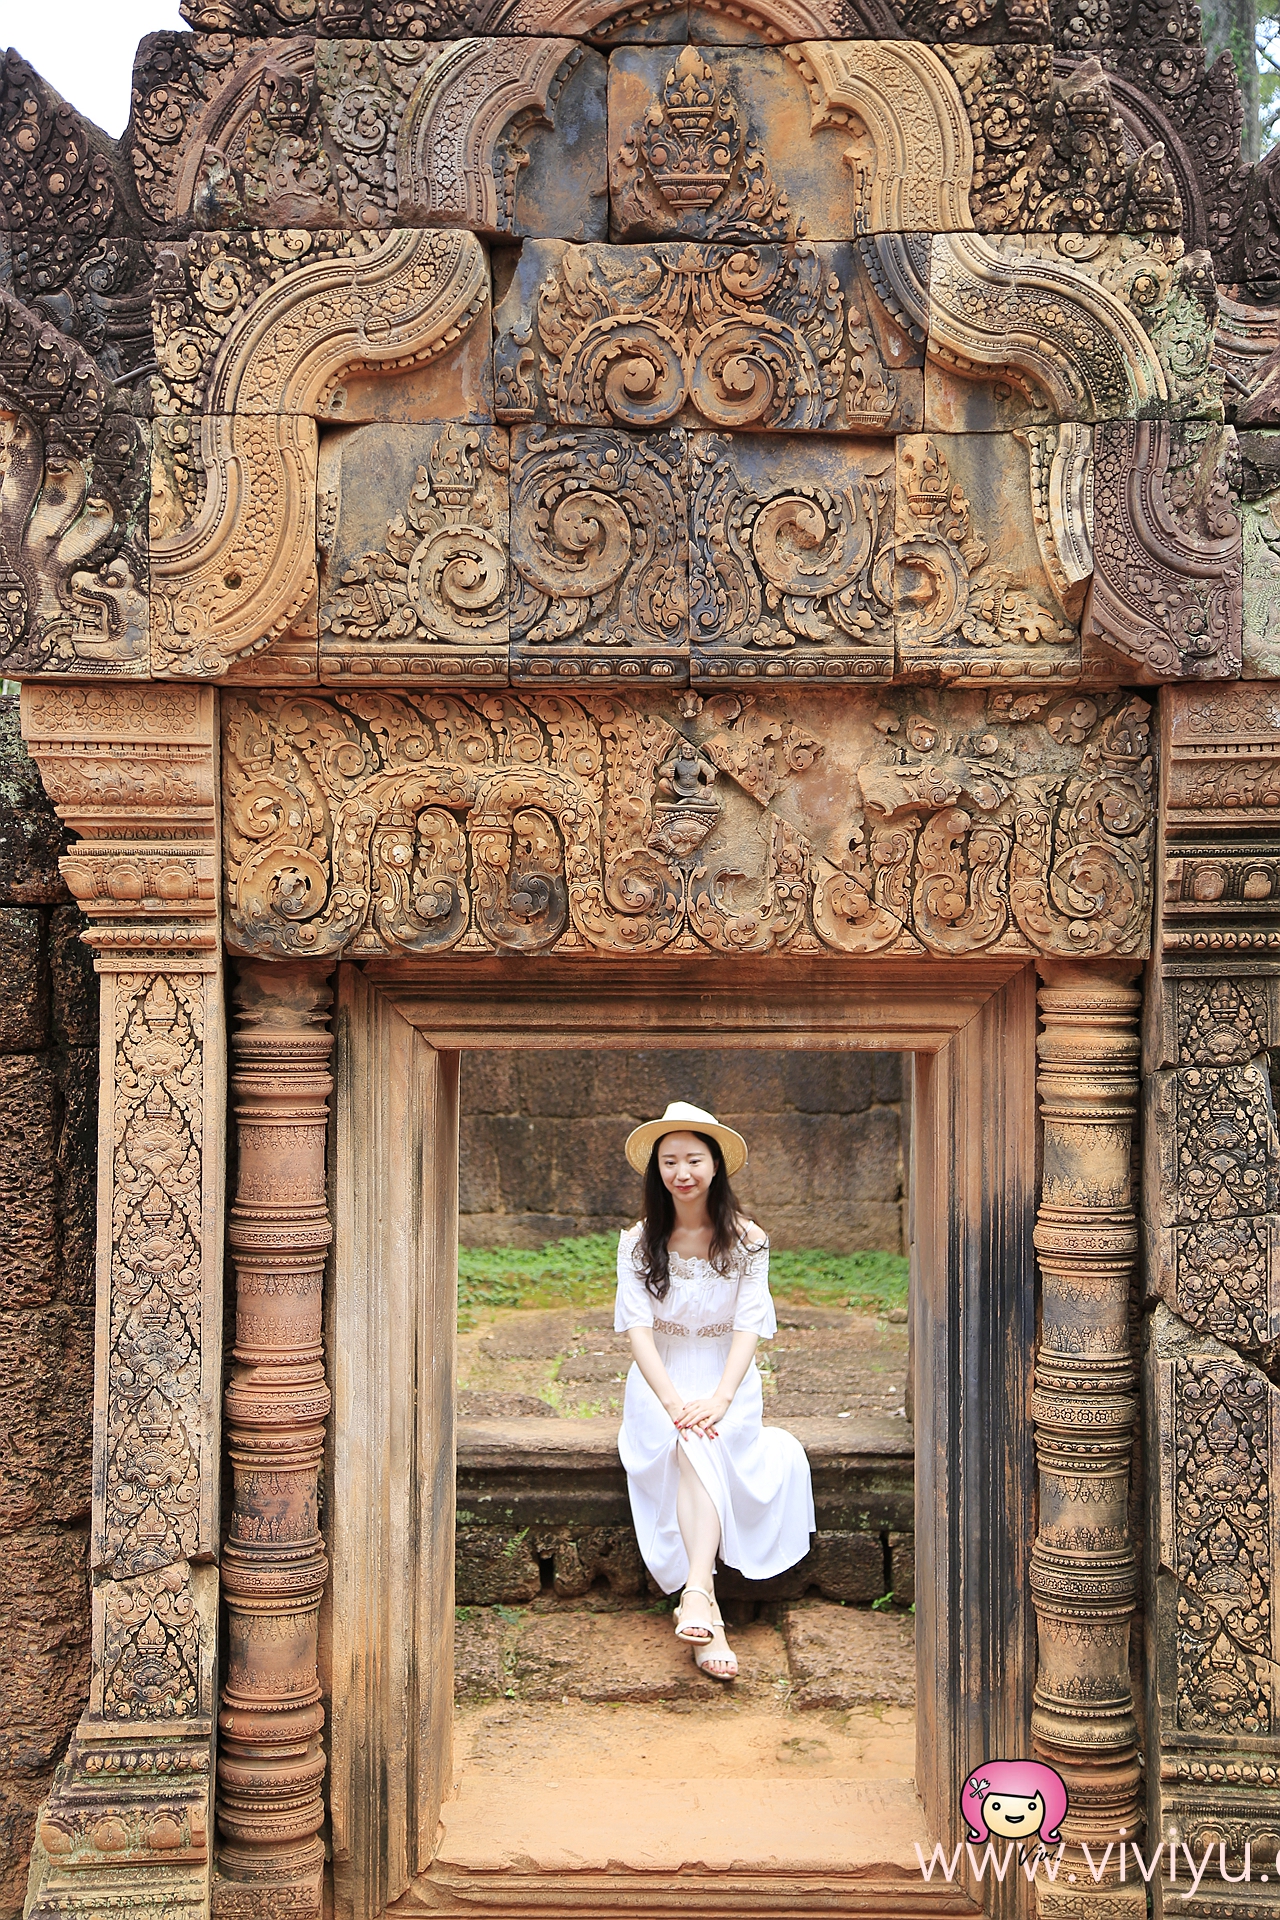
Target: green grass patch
[(581, 1272)]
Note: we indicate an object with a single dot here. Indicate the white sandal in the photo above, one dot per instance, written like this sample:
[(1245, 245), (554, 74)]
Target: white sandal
[(696, 1634), (703, 1654)]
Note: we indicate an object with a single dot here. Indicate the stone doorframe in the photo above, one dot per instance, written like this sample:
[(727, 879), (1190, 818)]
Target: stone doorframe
[(130, 1822), (971, 1026)]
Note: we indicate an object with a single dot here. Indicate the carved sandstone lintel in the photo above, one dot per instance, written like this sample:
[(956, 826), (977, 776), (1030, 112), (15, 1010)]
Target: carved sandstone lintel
[(270, 1762), (1083, 1570), (133, 771), (372, 823)]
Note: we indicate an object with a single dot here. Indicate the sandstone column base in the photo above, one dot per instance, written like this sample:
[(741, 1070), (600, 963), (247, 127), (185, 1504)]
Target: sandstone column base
[(1091, 1903), (125, 1831), (300, 1899)]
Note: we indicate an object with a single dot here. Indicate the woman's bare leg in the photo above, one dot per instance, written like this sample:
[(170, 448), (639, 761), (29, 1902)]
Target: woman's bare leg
[(700, 1530)]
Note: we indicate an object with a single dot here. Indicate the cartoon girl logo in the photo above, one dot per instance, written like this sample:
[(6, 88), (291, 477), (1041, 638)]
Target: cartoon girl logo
[(1017, 1799)]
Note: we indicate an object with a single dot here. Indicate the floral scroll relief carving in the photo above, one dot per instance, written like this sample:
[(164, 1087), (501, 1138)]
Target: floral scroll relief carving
[(1216, 1253), (440, 578), (153, 1468), (749, 337), (415, 823), (800, 575), (154, 1666), (236, 575), (599, 552), (945, 823), (1222, 1415), (959, 609)]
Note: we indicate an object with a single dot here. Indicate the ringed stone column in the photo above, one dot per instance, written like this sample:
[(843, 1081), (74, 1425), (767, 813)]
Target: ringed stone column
[(1083, 1566), (270, 1761)]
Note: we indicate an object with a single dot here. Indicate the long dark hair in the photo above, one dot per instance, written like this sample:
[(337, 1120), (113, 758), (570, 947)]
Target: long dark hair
[(658, 1217)]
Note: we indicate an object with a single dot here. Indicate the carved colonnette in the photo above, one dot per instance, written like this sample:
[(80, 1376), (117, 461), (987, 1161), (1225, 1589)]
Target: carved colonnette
[(1084, 1575), (1213, 1261), (133, 771), (270, 1761)]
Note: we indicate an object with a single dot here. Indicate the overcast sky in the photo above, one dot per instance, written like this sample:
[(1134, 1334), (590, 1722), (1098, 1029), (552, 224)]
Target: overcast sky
[(85, 48)]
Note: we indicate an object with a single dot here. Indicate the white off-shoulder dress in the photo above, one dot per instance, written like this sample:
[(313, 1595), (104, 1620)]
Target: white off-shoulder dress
[(757, 1476)]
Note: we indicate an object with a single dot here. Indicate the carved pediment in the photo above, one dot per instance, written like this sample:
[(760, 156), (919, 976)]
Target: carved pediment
[(386, 216)]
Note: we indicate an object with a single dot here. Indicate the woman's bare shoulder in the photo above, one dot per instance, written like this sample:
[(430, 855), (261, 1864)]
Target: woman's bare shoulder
[(630, 1233), (753, 1237)]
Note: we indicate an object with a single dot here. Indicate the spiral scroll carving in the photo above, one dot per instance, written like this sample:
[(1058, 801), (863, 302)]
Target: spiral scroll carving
[(370, 823)]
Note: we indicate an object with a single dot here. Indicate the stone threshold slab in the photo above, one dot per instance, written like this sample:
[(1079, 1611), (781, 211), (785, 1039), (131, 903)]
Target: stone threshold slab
[(767, 1849), (484, 1445), (541, 1472)]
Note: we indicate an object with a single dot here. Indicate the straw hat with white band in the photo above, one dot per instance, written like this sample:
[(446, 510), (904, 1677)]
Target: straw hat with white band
[(680, 1117)]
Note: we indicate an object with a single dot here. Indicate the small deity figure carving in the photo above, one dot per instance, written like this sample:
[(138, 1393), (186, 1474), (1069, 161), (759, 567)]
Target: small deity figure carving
[(686, 775)]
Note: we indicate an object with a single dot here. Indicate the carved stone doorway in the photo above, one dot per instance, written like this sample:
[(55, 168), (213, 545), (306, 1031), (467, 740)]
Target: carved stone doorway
[(401, 1027)]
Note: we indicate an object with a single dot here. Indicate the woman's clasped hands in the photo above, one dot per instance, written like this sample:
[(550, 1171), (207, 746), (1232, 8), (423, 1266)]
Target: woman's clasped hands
[(700, 1416)]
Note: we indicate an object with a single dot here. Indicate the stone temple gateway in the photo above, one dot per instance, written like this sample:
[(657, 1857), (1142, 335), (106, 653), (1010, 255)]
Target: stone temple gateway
[(556, 524)]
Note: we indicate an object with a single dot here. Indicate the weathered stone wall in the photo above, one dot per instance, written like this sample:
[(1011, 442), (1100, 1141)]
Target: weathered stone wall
[(48, 1091), (542, 1138)]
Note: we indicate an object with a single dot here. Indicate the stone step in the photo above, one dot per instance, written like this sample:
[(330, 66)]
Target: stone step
[(819, 1655), (539, 1490), (544, 1470), (651, 1850)]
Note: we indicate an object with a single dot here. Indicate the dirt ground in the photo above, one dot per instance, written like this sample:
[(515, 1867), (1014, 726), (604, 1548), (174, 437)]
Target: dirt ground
[(824, 1691)]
